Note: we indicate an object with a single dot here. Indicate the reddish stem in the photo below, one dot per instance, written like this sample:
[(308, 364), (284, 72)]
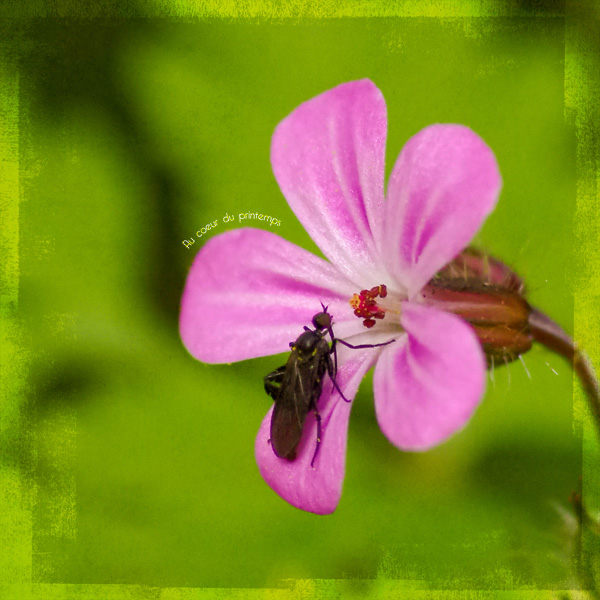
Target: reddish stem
[(550, 334)]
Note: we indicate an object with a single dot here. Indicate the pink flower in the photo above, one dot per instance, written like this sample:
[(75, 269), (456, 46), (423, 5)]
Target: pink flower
[(250, 292)]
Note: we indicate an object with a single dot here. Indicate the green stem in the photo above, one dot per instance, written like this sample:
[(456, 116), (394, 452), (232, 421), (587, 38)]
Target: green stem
[(545, 331)]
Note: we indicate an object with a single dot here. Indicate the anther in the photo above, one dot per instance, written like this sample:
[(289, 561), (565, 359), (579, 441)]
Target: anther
[(366, 308)]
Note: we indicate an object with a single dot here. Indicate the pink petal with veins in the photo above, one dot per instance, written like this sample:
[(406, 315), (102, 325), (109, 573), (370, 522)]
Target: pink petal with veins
[(443, 186), (328, 157), (249, 292), (317, 489), (430, 381)]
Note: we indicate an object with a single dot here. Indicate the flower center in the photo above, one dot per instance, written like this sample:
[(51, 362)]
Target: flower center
[(365, 306)]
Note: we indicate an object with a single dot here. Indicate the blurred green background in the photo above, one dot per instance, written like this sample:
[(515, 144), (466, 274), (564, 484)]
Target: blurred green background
[(134, 134)]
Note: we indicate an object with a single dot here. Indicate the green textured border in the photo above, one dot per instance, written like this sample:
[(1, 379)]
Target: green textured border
[(582, 111)]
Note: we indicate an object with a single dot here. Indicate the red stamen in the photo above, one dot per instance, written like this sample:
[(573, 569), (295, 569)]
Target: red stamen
[(365, 305)]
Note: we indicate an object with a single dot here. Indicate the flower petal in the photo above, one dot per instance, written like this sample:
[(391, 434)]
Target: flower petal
[(429, 382), (249, 292), (317, 489), (328, 157), (443, 186)]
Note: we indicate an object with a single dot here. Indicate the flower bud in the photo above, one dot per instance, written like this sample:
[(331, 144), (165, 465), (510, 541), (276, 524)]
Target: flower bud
[(488, 295)]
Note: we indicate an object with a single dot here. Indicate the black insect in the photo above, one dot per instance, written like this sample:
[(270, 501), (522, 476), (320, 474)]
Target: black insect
[(296, 386)]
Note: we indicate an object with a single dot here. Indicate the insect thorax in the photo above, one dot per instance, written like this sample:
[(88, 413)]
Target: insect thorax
[(308, 342)]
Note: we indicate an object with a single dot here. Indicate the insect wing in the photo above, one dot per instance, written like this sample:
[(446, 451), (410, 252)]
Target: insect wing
[(298, 394)]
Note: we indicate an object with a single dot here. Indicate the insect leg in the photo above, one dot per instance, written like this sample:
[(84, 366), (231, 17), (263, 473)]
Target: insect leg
[(361, 345), (318, 418), (331, 370), (333, 348), (273, 380), (333, 351)]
